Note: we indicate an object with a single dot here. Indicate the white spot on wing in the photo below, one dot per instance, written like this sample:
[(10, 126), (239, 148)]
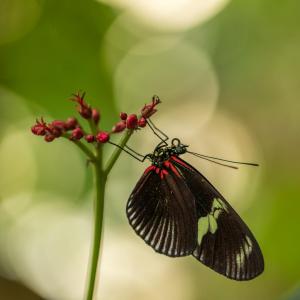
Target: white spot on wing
[(209, 223), (243, 254)]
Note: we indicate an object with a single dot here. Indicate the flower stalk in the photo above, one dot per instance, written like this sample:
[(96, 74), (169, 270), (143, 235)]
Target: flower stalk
[(73, 131), (100, 183), (117, 151)]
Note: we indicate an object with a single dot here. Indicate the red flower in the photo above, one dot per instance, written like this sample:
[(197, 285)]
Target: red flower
[(95, 115), (71, 123), (123, 116), (83, 108), (102, 137), (149, 109), (40, 128), (131, 122), (90, 138), (57, 132), (77, 134), (142, 122), (119, 127), (49, 137), (57, 127), (58, 124)]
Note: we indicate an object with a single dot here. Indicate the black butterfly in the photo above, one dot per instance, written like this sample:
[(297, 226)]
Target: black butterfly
[(178, 212)]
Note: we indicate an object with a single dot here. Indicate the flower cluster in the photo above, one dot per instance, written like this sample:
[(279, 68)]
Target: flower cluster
[(74, 131)]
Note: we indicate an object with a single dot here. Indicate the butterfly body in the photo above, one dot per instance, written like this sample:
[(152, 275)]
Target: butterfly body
[(162, 153), (178, 212)]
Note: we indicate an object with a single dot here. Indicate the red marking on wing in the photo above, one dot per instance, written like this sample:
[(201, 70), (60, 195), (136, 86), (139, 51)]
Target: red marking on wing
[(162, 173), (150, 168), (169, 165), (180, 162)]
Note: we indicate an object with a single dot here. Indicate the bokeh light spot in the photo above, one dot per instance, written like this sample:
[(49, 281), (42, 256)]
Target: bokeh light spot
[(17, 18), (170, 15), (16, 153), (178, 75)]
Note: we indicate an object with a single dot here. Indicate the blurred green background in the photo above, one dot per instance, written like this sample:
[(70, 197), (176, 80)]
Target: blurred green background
[(228, 75)]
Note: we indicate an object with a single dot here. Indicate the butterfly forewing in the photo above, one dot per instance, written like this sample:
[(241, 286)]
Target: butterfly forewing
[(162, 211), (225, 243)]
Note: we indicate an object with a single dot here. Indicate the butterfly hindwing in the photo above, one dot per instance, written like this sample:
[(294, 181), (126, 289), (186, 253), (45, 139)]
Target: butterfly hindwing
[(225, 243), (162, 211)]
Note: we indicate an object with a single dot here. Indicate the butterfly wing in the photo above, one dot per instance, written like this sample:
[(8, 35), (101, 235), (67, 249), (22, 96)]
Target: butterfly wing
[(225, 243), (162, 211)]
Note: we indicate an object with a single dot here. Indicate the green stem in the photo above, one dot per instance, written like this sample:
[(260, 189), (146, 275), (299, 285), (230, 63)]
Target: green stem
[(84, 148), (93, 126), (100, 181), (115, 155)]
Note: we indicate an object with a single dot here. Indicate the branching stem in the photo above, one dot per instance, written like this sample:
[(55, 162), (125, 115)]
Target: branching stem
[(116, 153), (100, 179), (82, 147)]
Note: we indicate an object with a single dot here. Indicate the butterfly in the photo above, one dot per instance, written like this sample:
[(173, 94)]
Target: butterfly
[(178, 212)]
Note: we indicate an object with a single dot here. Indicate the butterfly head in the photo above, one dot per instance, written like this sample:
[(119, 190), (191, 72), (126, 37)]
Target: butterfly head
[(177, 148), (159, 156), (163, 152)]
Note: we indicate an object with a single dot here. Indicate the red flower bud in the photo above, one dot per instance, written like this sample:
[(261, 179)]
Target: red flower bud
[(58, 124), (102, 137), (131, 121), (57, 132), (149, 109), (71, 123), (123, 116), (90, 138), (38, 130), (83, 108), (49, 138), (95, 115), (56, 128), (119, 127), (142, 122), (77, 134), (85, 112)]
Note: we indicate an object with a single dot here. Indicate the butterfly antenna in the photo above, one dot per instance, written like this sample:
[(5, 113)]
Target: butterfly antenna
[(221, 159), (215, 162)]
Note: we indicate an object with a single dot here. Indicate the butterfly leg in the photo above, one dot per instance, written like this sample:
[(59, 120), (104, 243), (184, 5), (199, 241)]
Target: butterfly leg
[(133, 153), (163, 137)]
